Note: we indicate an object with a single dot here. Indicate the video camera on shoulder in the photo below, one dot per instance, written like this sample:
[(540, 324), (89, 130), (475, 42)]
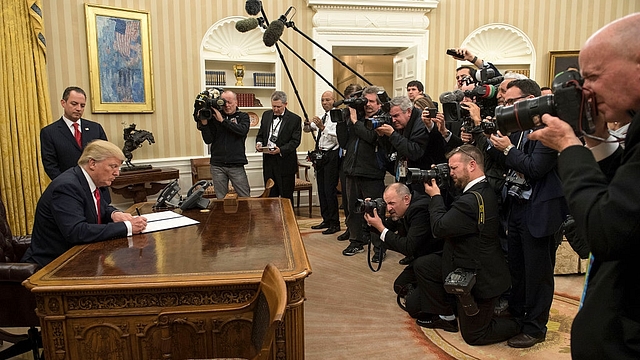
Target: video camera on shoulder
[(459, 282), (367, 206), (440, 172), (206, 101), (569, 102)]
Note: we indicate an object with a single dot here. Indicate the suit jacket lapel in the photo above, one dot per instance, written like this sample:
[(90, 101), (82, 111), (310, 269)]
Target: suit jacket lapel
[(86, 192), (66, 133)]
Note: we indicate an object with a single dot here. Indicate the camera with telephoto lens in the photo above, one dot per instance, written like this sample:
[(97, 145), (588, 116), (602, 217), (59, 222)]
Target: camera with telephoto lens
[(459, 282), (367, 206), (440, 172), (569, 101), (206, 101), (315, 157), (516, 184)]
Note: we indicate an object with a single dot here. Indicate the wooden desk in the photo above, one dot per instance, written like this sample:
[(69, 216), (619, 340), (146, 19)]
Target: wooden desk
[(137, 185), (176, 293)]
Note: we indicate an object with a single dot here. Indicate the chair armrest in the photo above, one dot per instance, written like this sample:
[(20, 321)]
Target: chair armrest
[(306, 170), (17, 272)]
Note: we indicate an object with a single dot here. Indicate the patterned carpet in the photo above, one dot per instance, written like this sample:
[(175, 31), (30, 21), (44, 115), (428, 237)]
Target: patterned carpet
[(351, 312)]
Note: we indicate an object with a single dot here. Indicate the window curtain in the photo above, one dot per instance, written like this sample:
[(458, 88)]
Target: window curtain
[(25, 109)]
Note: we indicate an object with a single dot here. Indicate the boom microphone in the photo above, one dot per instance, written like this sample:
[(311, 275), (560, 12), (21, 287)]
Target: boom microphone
[(253, 7), (275, 29), (459, 94), (447, 97), (247, 24)]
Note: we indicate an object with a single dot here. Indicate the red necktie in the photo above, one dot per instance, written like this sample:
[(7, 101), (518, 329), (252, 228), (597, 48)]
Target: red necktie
[(77, 134), (97, 194)]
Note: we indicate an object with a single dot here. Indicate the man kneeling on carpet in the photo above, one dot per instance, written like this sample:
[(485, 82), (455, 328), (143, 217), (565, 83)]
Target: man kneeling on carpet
[(471, 254), (406, 231)]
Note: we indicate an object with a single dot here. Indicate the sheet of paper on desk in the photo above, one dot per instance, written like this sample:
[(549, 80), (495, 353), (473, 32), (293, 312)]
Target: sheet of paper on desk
[(166, 220)]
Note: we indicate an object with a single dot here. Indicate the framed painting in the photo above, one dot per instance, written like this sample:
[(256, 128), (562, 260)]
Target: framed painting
[(560, 61), (119, 53)]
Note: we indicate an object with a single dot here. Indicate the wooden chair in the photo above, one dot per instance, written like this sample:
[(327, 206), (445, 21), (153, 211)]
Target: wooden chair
[(267, 188), (201, 170), (268, 308), (304, 184)]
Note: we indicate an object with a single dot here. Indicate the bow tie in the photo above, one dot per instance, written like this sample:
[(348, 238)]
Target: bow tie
[(276, 117)]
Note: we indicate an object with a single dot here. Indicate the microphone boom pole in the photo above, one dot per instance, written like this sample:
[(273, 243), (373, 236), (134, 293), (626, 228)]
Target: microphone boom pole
[(292, 25), (286, 68), (311, 67)]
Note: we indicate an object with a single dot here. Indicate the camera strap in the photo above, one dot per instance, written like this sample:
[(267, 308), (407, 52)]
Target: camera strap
[(481, 213)]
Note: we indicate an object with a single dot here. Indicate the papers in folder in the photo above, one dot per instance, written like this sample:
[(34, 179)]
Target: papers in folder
[(166, 220)]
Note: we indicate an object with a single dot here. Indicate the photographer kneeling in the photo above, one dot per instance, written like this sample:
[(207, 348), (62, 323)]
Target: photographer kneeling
[(471, 249), (409, 216)]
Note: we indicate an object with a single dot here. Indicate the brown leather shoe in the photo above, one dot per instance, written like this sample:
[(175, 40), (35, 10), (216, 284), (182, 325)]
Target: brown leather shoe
[(523, 340)]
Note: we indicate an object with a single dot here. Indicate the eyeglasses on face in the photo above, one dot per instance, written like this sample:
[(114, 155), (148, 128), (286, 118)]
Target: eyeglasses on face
[(514, 100)]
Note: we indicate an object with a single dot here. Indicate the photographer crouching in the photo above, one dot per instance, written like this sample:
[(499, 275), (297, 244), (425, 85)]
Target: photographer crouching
[(471, 254), (409, 217), (225, 128)]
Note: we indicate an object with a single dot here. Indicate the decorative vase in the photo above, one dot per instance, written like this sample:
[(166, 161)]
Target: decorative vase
[(238, 71)]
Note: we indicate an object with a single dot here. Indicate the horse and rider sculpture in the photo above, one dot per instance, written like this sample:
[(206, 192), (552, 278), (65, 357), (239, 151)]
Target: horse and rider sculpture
[(134, 139)]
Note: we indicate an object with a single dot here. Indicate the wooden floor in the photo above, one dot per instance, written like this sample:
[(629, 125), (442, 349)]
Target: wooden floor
[(350, 311)]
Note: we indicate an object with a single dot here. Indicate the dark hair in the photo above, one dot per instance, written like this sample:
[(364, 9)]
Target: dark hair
[(351, 88), (544, 88), (67, 92), (526, 86), (472, 71), (417, 84)]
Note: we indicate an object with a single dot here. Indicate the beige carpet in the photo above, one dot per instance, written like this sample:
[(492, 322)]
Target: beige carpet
[(351, 312)]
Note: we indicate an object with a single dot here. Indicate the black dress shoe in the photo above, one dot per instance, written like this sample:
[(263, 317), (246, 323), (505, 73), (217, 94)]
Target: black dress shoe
[(344, 236), (406, 260), (331, 230), (439, 323), (376, 257), (523, 340), (322, 225)]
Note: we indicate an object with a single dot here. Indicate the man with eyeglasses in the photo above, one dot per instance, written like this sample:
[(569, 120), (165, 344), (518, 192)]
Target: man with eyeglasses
[(470, 230), (535, 208)]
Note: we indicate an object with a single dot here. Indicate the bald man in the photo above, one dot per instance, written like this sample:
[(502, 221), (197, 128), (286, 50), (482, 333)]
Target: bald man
[(606, 210), (327, 167)]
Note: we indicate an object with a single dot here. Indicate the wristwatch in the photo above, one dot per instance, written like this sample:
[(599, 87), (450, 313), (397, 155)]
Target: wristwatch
[(506, 150)]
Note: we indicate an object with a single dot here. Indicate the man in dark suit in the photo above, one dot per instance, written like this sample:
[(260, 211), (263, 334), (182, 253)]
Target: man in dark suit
[(470, 230), (607, 325), (535, 208), (62, 142), (408, 232), (278, 139), (73, 209)]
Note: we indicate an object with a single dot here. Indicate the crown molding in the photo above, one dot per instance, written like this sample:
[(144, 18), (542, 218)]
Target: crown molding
[(387, 5)]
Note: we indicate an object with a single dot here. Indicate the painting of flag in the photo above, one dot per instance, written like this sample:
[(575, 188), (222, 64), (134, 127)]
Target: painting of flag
[(119, 56)]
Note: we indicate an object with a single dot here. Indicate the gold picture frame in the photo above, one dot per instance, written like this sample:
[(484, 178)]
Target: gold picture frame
[(559, 61), (120, 66)]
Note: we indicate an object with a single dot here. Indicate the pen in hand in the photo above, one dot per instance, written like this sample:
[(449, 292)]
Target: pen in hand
[(138, 211)]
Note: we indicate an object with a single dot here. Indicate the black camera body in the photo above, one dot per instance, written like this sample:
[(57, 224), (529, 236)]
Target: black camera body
[(568, 102), (487, 127), (459, 282), (367, 206), (376, 121), (440, 172), (315, 157), (206, 101), (516, 184)]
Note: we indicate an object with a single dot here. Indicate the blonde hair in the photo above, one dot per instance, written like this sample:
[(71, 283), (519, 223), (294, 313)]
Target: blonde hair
[(99, 150)]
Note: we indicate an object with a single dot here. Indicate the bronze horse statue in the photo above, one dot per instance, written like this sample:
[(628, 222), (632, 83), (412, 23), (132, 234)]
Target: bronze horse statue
[(134, 139)]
